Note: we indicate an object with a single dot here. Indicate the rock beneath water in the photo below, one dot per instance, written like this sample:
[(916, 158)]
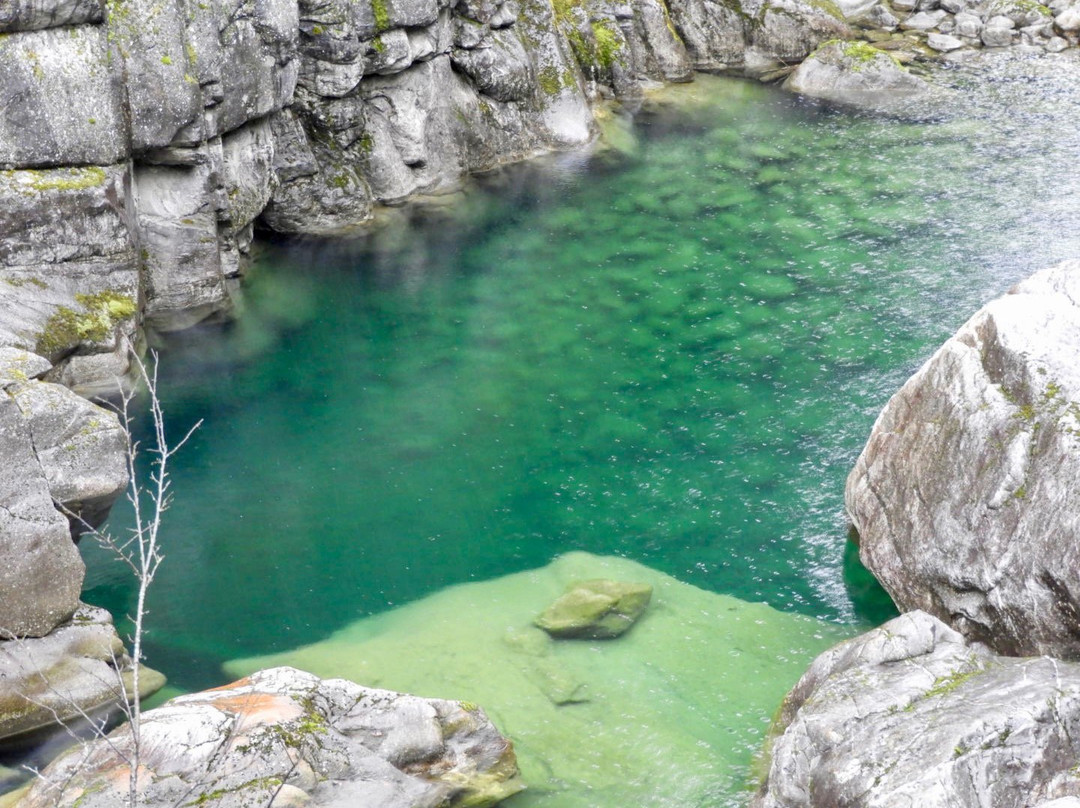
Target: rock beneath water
[(286, 736), (858, 74), (597, 609), (670, 715), (80, 667), (965, 496), (911, 714)]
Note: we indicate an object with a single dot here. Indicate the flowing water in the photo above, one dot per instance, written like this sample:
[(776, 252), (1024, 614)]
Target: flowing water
[(670, 352)]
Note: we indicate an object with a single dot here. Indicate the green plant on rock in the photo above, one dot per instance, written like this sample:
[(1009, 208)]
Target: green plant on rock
[(101, 313)]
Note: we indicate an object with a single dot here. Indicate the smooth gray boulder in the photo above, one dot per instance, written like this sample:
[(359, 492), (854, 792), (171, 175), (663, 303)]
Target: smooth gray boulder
[(80, 667), (965, 496), (288, 735), (857, 74), (60, 99), (912, 714)]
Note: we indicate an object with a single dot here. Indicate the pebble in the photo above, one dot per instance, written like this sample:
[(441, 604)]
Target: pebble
[(1056, 45), (968, 25), (923, 21)]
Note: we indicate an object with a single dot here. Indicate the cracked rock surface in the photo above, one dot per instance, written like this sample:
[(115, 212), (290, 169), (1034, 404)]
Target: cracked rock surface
[(301, 740), (913, 715), (965, 496)]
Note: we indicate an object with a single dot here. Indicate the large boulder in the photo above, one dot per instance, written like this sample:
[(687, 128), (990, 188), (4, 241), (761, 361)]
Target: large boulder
[(79, 669), (965, 496), (286, 736), (857, 74), (41, 572), (912, 714), (55, 447)]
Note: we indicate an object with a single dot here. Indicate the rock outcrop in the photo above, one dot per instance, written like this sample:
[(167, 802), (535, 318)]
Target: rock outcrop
[(912, 714), (286, 736), (79, 669), (965, 497), (55, 447)]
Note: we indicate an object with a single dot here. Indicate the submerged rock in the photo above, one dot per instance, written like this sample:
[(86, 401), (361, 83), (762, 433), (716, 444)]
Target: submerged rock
[(912, 714), (965, 496), (858, 74), (596, 609), (670, 715), (288, 737)]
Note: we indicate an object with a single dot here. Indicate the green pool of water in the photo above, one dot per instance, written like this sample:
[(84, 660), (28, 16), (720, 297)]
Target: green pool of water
[(671, 353)]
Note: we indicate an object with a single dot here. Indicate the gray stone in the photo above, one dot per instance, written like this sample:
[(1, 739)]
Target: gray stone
[(904, 5), (41, 572), (59, 100), (596, 609), (965, 497), (856, 74), (880, 18), (1056, 44), (81, 666), (910, 714), (954, 6), (80, 446), (30, 15), (968, 25), (790, 30), (944, 43), (298, 739), (923, 21), (998, 32), (1068, 20)]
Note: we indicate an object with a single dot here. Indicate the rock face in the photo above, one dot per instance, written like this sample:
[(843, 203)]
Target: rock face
[(965, 497), (79, 667), (286, 735), (54, 447), (858, 74), (596, 609), (913, 714), (142, 144)]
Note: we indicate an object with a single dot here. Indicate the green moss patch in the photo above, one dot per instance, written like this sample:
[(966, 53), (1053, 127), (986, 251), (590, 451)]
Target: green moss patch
[(100, 314)]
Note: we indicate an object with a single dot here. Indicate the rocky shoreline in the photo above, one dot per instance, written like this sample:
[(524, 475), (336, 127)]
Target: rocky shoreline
[(141, 143)]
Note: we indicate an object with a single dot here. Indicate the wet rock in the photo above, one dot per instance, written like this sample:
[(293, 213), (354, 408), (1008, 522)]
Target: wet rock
[(786, 31), (857, 74), (1056, 44), (597, 609), (913, 714), (288, 735), (965, 496), (81, 666)]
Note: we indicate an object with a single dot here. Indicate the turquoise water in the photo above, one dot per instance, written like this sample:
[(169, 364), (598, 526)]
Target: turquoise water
[(671, 352)]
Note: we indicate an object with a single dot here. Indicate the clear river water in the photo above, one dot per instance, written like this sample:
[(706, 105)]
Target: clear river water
[(670, 351)]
